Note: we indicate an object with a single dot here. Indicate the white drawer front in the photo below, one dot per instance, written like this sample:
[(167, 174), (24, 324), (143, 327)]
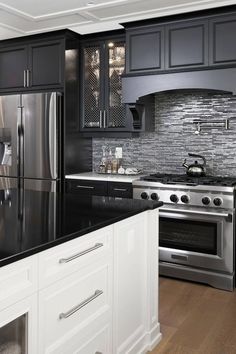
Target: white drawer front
[(18, 280), (61, 261), (68, 306), (99, 343)]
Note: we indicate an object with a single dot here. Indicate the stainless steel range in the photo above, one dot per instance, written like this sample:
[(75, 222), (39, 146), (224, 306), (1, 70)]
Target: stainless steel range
[(197, 222)]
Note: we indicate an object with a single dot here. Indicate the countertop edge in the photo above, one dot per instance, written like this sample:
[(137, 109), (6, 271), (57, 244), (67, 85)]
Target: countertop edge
[(6, 261)]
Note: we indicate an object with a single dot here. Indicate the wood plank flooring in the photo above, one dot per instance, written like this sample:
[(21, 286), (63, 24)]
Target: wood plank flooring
[(196, 319)]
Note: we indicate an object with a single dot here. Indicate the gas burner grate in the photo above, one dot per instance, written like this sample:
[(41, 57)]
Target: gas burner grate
[(190, 181)]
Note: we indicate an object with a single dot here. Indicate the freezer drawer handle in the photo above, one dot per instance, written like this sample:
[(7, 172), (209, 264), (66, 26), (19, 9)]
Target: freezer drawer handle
[(69, 259), (25, 83), (179, 257), (81, 305), (85, 187), (120, 189)]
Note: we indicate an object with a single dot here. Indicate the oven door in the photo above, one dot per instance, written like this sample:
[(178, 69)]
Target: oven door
[(202, 239)]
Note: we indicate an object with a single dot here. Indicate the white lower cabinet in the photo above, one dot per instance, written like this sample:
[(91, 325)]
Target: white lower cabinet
[(19, 327), (69, 309), (93, 295), (135, 320)]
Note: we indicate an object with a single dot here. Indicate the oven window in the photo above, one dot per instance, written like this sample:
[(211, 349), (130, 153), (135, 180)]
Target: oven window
[(188, 235)]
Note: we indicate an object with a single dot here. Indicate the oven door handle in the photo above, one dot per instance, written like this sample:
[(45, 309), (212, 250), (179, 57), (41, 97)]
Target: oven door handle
[(228, 216)]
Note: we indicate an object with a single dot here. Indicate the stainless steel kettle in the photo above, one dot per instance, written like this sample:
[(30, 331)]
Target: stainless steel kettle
[(196, 169)]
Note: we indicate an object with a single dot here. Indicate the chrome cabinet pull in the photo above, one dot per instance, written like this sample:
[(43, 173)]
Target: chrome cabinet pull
[(81, 305), (85, 187), (98, 353), (120, 189), (25, 83), (28, 78), (71, 258), (104, 120), (100, 119)]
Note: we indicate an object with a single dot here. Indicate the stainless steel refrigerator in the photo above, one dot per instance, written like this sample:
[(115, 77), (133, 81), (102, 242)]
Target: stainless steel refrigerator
[(30, 141)]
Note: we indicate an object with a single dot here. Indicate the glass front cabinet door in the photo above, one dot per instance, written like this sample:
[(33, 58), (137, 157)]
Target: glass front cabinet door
[(103, 63), (18, 327)]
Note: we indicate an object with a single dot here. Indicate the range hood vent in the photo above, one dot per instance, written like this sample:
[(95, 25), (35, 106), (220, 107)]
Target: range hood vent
[(135, 87)]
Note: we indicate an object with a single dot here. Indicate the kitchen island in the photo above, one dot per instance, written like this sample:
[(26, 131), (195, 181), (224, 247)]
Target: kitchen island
[(78, 275)]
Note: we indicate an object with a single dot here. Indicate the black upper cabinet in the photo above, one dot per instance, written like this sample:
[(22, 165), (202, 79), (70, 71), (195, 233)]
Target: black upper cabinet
[(187, 45), (13, 63), (102, 65), (181, 45), (33, 65), (45, 64), (145, 49), (222, 40)]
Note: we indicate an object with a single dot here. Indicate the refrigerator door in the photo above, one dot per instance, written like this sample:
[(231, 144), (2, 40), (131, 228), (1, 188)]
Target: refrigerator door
[(40, 122), (10, 124)]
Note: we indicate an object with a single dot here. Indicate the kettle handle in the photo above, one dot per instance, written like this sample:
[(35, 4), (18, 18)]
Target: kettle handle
[(200, 156)]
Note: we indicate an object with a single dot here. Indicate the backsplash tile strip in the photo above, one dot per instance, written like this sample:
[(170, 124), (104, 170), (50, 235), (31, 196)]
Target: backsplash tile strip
[(165, 149)]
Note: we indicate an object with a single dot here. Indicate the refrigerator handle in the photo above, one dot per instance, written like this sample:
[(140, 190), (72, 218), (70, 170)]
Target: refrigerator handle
[(25, 74), (18, 151)]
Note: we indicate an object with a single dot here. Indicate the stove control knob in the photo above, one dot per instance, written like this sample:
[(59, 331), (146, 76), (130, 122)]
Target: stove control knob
[(144, 195), (217, 201), (206, 200), (154, 196), (174, 198), (185, 199)]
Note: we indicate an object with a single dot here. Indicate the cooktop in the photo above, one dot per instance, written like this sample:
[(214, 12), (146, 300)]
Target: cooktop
[(166, 178)]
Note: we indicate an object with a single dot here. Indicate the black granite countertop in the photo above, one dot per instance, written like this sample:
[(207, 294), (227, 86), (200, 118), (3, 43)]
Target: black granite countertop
[(32, 221)]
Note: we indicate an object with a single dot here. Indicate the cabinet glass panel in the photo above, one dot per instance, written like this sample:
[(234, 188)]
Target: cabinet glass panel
[(13, 336), (116, 110), (92, 87)]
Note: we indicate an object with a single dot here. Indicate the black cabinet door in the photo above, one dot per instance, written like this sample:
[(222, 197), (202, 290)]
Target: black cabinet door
[(187, 45), (102, 64), (120, 189), (145, 49), (13, 66), (222, 40), (46, 61), (92, 88), (86, 187)]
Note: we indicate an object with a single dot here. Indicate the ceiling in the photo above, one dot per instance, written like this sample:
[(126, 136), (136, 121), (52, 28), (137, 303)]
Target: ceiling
[(24, 17)]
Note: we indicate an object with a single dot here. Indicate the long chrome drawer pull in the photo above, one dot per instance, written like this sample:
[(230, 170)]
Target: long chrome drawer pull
[(66, 260), (84, 187), (120, 189), (82, 304), (98, 353)]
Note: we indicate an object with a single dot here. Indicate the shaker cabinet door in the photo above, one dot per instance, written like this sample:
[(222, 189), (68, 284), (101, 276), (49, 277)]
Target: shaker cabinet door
[(45, 63), (13, 64), (186, 45), (222, 40), (145, 50)]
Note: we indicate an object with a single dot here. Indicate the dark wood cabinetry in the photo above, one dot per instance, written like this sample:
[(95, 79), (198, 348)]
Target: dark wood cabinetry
[(13, 63), (145, 49), (103, 63), (91, 187), (186, 45), (36, 64), (181, 45), (222, 40), (46, 62)]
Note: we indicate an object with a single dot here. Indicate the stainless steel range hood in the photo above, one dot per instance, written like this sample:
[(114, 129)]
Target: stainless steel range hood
[(135, 87)]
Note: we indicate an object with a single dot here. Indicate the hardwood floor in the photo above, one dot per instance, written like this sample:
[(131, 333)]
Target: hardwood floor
[(196, 319)]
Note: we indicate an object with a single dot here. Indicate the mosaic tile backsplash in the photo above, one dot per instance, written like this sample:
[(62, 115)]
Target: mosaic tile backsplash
[(165, 149)]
